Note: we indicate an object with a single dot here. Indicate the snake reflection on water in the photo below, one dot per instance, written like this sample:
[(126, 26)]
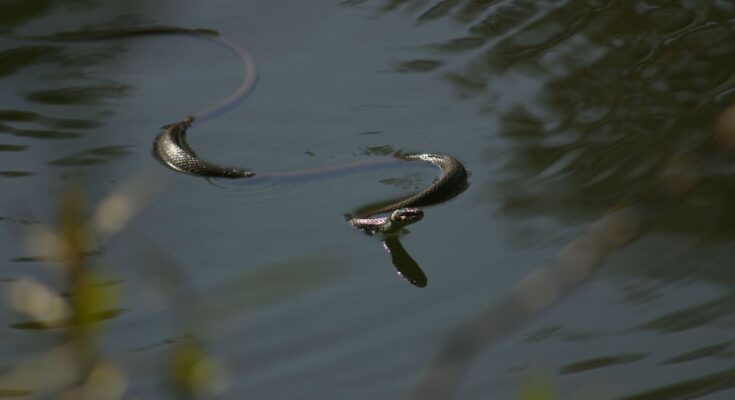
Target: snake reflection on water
[(171, 149)]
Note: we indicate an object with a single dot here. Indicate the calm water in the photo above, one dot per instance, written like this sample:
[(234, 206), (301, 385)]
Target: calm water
[(572, 117)]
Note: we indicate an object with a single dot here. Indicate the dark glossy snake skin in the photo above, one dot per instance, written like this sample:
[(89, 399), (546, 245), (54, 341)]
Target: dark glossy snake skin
[(171, 149)]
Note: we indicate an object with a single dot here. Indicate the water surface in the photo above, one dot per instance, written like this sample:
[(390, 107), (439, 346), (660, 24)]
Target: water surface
[(564, 113)]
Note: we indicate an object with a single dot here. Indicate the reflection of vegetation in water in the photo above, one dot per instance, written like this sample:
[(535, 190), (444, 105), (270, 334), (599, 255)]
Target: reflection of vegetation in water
[(15, 13), (38, 133), (600, 362), (99, 155), (625, 112), (628, 92), (16, 59), (720, 350), (15, 174), (617, 107), (54, 123), (77, 95), (49, 73)]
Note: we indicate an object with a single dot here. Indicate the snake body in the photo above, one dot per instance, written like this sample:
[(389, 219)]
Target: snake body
[(171, 149)]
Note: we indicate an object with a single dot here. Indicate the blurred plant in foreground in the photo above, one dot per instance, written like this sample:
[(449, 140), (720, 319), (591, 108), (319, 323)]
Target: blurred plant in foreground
[(537, 387), (75, 369)]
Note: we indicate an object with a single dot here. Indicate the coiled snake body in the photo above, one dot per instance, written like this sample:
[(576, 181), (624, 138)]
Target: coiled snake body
[(171, 149)]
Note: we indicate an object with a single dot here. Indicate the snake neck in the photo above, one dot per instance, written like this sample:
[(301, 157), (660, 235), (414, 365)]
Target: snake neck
[(451, 182), (374, 225), (171, 148)]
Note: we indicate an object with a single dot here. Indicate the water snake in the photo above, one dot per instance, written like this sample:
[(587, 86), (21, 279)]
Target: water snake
[(170, 146), (171, 149)]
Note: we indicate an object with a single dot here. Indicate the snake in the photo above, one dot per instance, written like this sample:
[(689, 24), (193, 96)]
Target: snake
[(172, 150)]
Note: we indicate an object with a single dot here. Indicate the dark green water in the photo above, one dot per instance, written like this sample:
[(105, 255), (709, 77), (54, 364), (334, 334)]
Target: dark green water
[(563, 112)]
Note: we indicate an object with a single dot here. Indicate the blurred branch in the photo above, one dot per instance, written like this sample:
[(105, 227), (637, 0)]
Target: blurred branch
[(536, 293), (76, 369)]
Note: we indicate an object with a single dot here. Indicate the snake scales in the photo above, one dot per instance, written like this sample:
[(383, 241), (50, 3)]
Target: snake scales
[(171, 148)]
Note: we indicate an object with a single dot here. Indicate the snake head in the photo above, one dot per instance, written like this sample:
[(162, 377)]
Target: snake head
[(405, 216)]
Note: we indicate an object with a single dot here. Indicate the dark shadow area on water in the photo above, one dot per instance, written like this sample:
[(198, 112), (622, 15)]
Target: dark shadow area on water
[(62, 309), (633, 111), (59, 80)]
